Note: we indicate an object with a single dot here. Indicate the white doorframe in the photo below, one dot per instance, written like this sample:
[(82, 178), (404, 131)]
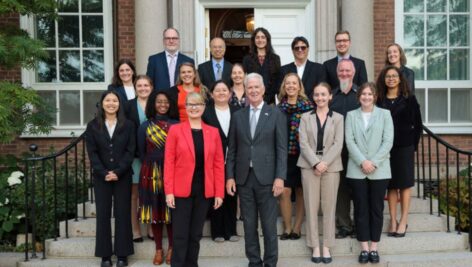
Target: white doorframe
[(202, 34)]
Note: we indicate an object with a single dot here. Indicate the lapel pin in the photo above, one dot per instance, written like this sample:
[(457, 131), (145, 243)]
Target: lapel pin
[(267, 114)]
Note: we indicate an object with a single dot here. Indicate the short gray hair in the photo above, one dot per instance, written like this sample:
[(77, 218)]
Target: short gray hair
[(253, 75), (170, 28)]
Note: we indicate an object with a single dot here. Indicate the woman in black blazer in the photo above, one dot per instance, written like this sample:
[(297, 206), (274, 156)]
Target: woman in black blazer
[(394, 55), (123, 79), (395, 96), (218, 114), (111, 141), (263, 60)]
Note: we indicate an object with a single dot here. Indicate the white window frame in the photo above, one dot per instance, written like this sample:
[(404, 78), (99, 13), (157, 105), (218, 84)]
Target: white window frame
[(448, 127), (28, 76)]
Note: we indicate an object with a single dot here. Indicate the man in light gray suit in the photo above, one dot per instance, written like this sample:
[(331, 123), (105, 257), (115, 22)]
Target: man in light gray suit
[(257, 164)]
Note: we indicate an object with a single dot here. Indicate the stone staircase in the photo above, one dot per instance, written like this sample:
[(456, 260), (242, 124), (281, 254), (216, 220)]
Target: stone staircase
[(426, 244)]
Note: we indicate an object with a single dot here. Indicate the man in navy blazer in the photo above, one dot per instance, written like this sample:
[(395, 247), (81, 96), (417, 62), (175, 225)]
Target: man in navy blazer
[(311, 73), (217, 68), (343, 43), (158, 69)]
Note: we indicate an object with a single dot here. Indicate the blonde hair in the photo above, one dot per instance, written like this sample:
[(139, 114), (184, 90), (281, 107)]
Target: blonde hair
[(283, 93), (195, 96)]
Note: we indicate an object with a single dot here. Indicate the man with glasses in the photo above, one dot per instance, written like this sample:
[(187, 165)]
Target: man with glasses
[(217, 68), (310, 73), (162, 67), (343, 43)]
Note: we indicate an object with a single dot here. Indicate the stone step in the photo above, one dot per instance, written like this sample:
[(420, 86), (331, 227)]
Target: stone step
[(437, 259), (417, 205), (417, 222), (418, 242)]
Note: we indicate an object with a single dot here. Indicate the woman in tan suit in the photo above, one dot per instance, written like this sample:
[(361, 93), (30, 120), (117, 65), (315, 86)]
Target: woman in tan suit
[(321, 142)]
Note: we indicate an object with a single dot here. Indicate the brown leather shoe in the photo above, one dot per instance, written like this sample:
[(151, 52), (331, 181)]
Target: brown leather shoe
[(169, 256), (158, 257)]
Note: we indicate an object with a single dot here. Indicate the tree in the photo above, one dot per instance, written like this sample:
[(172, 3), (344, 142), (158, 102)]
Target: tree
[(22, 110)]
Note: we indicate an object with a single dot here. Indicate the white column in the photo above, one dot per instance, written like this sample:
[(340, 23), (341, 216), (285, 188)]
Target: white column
[(358, 19), (150, 22), (183, 13), (326, 27)]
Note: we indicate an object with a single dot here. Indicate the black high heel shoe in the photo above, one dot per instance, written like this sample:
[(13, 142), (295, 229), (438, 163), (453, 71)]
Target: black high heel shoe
[(397, 234), (392, 234)]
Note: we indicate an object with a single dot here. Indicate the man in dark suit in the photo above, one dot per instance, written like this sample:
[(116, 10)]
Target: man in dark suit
[(217, 68), (257, 164), (343, 43), (163, 67), (310, 73)]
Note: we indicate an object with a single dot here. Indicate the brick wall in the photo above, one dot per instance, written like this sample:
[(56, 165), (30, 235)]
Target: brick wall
[(14, 74), (126, 36), (384, 31)]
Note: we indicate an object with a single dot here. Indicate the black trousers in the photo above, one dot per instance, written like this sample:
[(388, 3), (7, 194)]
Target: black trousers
[(258, 199), (223, 220), (343, 203), (118, 193), (188, 219), (368, 196)]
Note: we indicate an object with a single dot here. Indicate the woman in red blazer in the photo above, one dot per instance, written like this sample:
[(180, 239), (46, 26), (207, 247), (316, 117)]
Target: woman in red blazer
[(193, 175)]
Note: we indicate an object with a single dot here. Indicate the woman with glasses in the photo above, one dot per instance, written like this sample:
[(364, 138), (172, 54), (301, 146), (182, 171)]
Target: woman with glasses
[(395, 96), (194, 176), (395, 56)]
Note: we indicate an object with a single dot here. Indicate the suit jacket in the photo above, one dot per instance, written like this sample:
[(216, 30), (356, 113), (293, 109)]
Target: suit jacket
[(312, 75), (111, 153), (211, 119), (267, 150), (410, 78), (207, 75), (333, 139), (269, 70), (120, 90), (373, 143), (131, 111), (179, 163), (158, 71), (330, 66)]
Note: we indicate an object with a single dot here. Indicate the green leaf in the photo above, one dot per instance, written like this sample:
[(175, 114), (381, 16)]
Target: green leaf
[(7, 226)]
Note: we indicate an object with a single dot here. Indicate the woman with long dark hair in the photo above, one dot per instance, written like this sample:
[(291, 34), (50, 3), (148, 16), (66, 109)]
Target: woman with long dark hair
[(110, 140), (238, 95), (395, 56), (262, 59), (123, 79)]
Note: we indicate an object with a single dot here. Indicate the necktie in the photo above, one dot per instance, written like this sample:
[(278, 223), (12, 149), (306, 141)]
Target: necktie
[(218, 71), (172, 70), (253, 122)]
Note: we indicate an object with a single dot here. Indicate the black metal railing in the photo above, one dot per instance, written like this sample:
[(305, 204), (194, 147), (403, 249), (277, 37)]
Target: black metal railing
[(56, 175), (438, 165)]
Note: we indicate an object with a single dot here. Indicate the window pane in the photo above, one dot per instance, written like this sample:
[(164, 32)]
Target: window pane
[(46, 70), (68, 5), (437, 105), (459, 5), (459, 64), (416, 62), (419, 93), (68, 31), (94, 66), (91, 99), (459, 30), (92, 6), (414, 31), (69, 107), (437, 64), (45, 31), (437, 30), (50, 98), (461, 110), (413, 6), (92, 31), (69, 66), (436, 5)]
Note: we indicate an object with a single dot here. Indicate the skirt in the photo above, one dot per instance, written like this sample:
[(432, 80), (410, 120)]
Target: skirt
[(402, 164), (136, 166), (294, 176)]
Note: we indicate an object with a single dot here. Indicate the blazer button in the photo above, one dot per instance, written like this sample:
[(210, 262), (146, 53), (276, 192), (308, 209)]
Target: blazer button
[(111, 160)]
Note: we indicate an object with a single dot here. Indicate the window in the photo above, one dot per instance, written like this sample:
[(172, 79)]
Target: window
[(436, 37), (80, 63)]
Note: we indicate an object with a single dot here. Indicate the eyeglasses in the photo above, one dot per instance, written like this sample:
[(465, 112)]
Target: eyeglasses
[(190, 105), (394, 76), (171, 38), (299, 48), (342, 40)]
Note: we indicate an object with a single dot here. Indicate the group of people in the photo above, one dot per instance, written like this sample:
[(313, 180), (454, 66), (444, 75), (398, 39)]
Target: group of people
[(180, 144)]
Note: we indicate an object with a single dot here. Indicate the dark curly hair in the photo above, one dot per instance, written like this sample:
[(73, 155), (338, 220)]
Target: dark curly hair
[(403, 88)]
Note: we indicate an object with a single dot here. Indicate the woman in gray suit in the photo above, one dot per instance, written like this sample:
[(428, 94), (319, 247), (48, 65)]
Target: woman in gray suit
[(369, 138), (321, 141)]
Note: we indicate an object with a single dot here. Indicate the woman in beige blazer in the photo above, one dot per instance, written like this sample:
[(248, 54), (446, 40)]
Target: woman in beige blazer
[(369, 138), (321, 142)]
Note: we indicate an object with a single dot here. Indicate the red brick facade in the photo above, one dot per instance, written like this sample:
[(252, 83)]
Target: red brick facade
[(384, 31), (125, 29), (15, 74)]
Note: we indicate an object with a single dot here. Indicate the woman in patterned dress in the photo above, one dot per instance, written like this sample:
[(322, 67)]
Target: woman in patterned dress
[(151, 141)]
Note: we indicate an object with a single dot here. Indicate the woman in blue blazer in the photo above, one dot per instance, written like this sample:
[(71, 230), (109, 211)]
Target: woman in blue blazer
[(369, 138), (123, 79)]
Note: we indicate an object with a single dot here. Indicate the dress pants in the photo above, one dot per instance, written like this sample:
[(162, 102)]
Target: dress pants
[(259, 199), (318, 189), (118, 193), (188, 219), (368, 196), (343, 204), (223, 220)]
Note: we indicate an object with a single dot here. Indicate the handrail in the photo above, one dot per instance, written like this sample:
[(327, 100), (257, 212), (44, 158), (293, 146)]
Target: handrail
[(60, 153), (442, 141)]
